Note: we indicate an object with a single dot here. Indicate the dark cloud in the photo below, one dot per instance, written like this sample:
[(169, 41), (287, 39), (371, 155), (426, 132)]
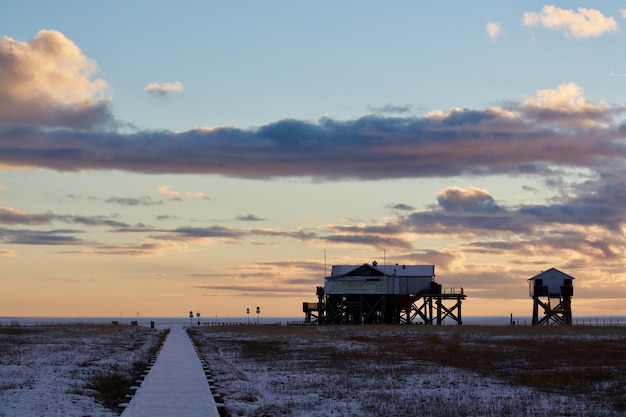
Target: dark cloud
[(13, 216), (401, 207), (545, 244), (472, 200), (250, 218), (593, 203), (477, 142), (141, 249), (40, 237), (93, 221), (372, 241), (458, 223), (382, 236), (208, 232), (129, 201)]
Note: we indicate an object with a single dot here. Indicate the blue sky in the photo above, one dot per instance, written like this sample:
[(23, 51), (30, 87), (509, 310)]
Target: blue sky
[(159, 157)]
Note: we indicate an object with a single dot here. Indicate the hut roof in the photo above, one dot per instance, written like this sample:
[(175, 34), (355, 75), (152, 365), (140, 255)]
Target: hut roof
[(551, 273), (380, 270)]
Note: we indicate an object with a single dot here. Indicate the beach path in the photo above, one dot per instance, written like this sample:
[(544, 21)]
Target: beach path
[(176, 385)]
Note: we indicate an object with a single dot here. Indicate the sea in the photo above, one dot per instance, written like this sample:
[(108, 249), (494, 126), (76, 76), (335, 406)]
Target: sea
[(161, 322)]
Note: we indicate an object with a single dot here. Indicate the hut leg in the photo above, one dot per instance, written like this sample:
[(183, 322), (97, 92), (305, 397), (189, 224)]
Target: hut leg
[(439, 320)]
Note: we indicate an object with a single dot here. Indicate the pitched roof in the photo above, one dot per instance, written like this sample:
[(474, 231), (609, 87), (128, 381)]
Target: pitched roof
[(550, 272), (390, 270)]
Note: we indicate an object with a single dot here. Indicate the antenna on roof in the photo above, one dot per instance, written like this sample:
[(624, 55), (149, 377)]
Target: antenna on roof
[(385, 257), (325, 275)]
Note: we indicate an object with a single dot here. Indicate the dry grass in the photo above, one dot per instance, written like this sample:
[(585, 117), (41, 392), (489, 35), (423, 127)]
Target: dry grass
[(111, 386), (403, 370)]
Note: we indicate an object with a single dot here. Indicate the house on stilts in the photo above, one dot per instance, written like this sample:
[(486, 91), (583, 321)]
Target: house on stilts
[(552, 290), (391, 294)]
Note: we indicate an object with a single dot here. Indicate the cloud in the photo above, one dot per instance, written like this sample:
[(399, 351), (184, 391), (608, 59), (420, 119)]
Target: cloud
[(401, 207), (40, 237), (580, 24), (271, 279), (129, 201), (370, 241), (443, 258), (209, 232), (247, 290), (146, 248), (250, 218), (391, 108), (50, 82), (386, 236), (93, 221), (165, 191), (471, 199), (570, 244), (511, 139), (493, 30), (9, 215), (566, 106), (162, 90), (591, 208), (197, 194), (12, 216)]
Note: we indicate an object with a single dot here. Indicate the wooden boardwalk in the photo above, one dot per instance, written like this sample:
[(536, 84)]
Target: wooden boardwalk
[(176, 385)]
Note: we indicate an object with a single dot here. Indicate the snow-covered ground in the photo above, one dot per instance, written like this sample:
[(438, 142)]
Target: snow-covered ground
[(45, 370), (344, 371), (330, 370)]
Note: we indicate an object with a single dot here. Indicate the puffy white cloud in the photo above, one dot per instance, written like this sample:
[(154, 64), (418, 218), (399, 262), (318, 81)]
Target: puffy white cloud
[(567, 96), (583, 23), (165, 191), (566, 104), (49, 81), (494, 30), (165, 88)]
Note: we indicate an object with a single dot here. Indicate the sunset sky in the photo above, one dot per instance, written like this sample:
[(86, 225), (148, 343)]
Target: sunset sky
[(161, 157)]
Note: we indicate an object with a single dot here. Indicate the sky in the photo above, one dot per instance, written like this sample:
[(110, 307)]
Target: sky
[(218, 156)]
